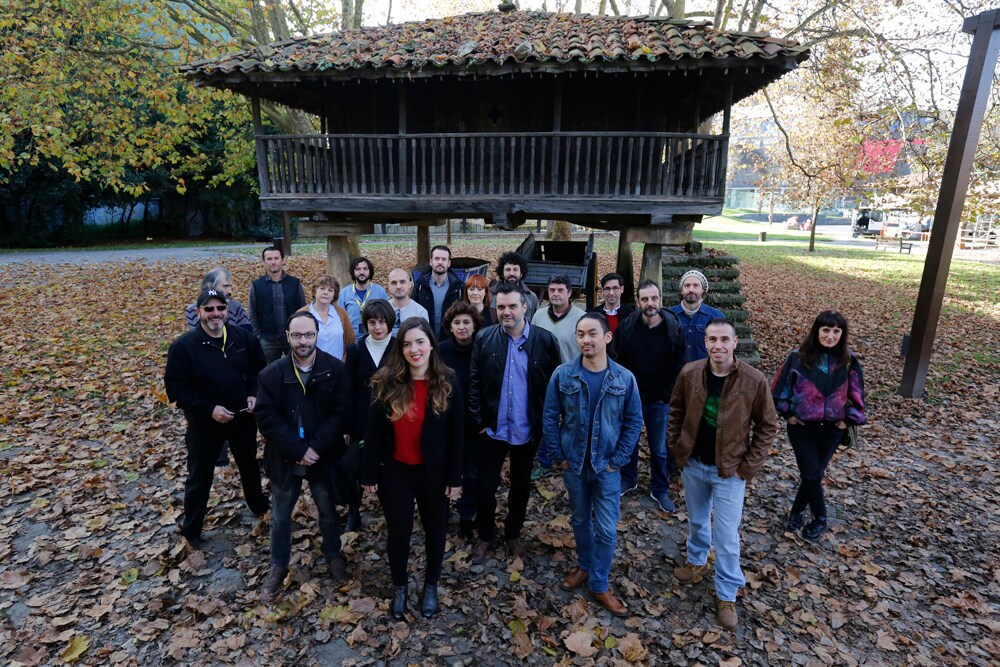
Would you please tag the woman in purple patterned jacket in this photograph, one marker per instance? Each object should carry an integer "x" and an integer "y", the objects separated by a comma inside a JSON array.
[{"x": 820, "y": 392}]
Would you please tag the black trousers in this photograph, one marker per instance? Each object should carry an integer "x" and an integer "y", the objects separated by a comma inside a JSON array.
[
  {"x": 814, "y": 444},
  {"x": 400, "y": 486},
  {"x": 522, "y": 458},
  {"x": 203, "y": 447}
]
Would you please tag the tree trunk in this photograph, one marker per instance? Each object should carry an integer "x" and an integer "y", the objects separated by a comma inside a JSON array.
[{"x": 812, "y": 228}]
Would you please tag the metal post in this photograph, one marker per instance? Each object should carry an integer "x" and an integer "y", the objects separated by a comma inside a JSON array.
[{"x": 954, "y": 184}]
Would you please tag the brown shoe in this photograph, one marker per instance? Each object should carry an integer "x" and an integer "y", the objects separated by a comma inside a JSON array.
[
  {"x": 338, "y": 571},
  {"x": 574, "y": 579},
  {"x": 516, "y": 549},
  {"x": 480, "y": 551},
  {"x": 726, "y": 615},
  {"x": 273, "y": 581},
  {"x": 610, "y": 602},
  {"x": 691, "y": 574}
]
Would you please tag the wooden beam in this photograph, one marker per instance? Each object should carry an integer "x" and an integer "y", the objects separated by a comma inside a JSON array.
[
  {"x": 423, "y": 244},
  {"x": 623, "y": 266},
  {"x": 954, "y": 186},
  {"x": 286, "y": 239},
  {"x": 310, "y": 229}
]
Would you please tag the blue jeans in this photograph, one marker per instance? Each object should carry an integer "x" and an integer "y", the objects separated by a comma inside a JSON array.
[
  {"x": 661, "y": 464},
  {"x": 705, "y": 491},
  {"x": 283, "y": 504},
  {"x": 594, "y": 507}
]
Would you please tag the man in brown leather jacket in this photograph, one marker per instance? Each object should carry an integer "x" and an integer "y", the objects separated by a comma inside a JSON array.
[{"x": 722, "y": 421}]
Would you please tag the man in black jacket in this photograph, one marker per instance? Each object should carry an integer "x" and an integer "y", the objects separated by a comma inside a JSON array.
[
  {"x": 650, "y": 343},
  {"x": 437, "y": 289},
  {"x": 510, "y": 369},
  {"x": 211, "y": 374},
  {"x": 273, "y": 297},
  {"x": 301, "y": 409}
]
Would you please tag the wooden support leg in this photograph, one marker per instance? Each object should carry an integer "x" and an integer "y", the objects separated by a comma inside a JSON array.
[
  {"x": 286, "y": 242},
  {"x": 624, "y": 267},
  {"x": 652, "y": 264},
  {"x": 338, "y": 258},
  {"x": 423, "y": 244}
]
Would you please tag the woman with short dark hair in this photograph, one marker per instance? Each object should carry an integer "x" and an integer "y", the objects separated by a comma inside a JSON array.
[
  {"x": 413, "y": 454},
  {"x": 820, "y": 392}
]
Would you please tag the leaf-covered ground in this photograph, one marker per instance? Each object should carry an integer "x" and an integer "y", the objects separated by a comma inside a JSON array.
[{"x": 92, "y": 467}]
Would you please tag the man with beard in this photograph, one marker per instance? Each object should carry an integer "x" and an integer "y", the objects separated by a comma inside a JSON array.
[
  {"x": 591, "y": 424},
  {"x": 649, "y": 343},
  {"x": 354, "y": 297},
  {"x": 302, "y": 409},
  {"x": 438, "y": 289},
  {"x": 211, "y": 374},
  {"x": 693, "y": 314},
  {"x": 512, "y": 268}
]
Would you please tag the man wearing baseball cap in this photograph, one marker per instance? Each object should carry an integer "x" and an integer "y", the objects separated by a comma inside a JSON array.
[
  {"x": 211, "y": 374},
  {"x": 693, "y": 314}
]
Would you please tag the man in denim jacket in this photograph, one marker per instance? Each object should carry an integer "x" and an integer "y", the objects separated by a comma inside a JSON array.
[{"x": 590, "y": 425}]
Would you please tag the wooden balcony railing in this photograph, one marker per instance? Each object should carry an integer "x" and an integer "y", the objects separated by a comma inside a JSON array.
[{"x": 539, "y": 164}]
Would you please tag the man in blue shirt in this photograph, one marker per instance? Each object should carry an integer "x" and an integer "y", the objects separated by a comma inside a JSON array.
[
  {"x": 693, "y": 314},
  {"x": 510, "y": 369},
  {"x": 591, "y": 424},
  {"x": 354, "y": 297}
]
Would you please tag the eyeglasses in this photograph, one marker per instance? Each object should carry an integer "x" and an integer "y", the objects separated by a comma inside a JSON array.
[
  {"x": 612, "y": 288},
  {"x": 295, "y": 335},
  {"x": 212, "y": 309}
]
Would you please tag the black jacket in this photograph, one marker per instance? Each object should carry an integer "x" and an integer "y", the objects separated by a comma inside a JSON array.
[
  {"x": 489, "y": 358},
  {"x": 262, "y": 305},
  {"x": 441, "y": 440},
  {"x": 424, "y": 295},
  {"x": 200, "y": 374},
  {"x": 360, "y": 369},
  {"x": 655, "y": 386},
  {"x": 292, "y": 420}
]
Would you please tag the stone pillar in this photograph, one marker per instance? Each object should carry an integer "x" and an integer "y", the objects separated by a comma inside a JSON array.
[
  {"x": 338, "y": 258},
  {"x": 652, "y": 264}
]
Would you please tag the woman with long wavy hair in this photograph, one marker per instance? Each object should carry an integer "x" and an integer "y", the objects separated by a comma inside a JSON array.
[
  {"x": 820, "y": 392},
  {"x": 413, "y": 454}
]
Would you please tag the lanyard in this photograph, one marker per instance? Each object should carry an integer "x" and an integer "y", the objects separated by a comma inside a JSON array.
[
  {"x": 224, "y": 336},
  {"x": 298, "y": 377},
  {"x": 368, "y": 293}
]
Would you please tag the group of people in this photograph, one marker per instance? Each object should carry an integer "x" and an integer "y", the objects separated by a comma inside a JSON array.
[{"x": 433, "y": 385}]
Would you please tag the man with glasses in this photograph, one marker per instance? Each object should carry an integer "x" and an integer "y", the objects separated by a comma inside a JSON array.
[
  {"x": 211, "y": 374},
  {"x": 400, "y": 284},
  {"x": 301, "y": 409},
  {"x": 614, "y": 311}
]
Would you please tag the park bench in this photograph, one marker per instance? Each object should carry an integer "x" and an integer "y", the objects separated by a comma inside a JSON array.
[{"x": 884, "y": 243}]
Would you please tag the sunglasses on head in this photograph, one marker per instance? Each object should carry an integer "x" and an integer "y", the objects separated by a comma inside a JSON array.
[{"x": 212, "y": 309}]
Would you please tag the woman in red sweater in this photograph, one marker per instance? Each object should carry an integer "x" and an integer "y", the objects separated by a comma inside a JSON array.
[{"x": 413, "y": 454}]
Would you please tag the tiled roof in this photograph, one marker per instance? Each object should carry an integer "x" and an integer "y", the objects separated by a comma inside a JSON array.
[{"x": 516, "y": 39}]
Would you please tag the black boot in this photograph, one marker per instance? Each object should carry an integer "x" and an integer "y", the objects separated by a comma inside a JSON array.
[
  {"x": 429, "y": 603},
  {"x": 399, "y": 603},
  {"x": 815, "y": 528},
  {"x": 795, "y": 521}
]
